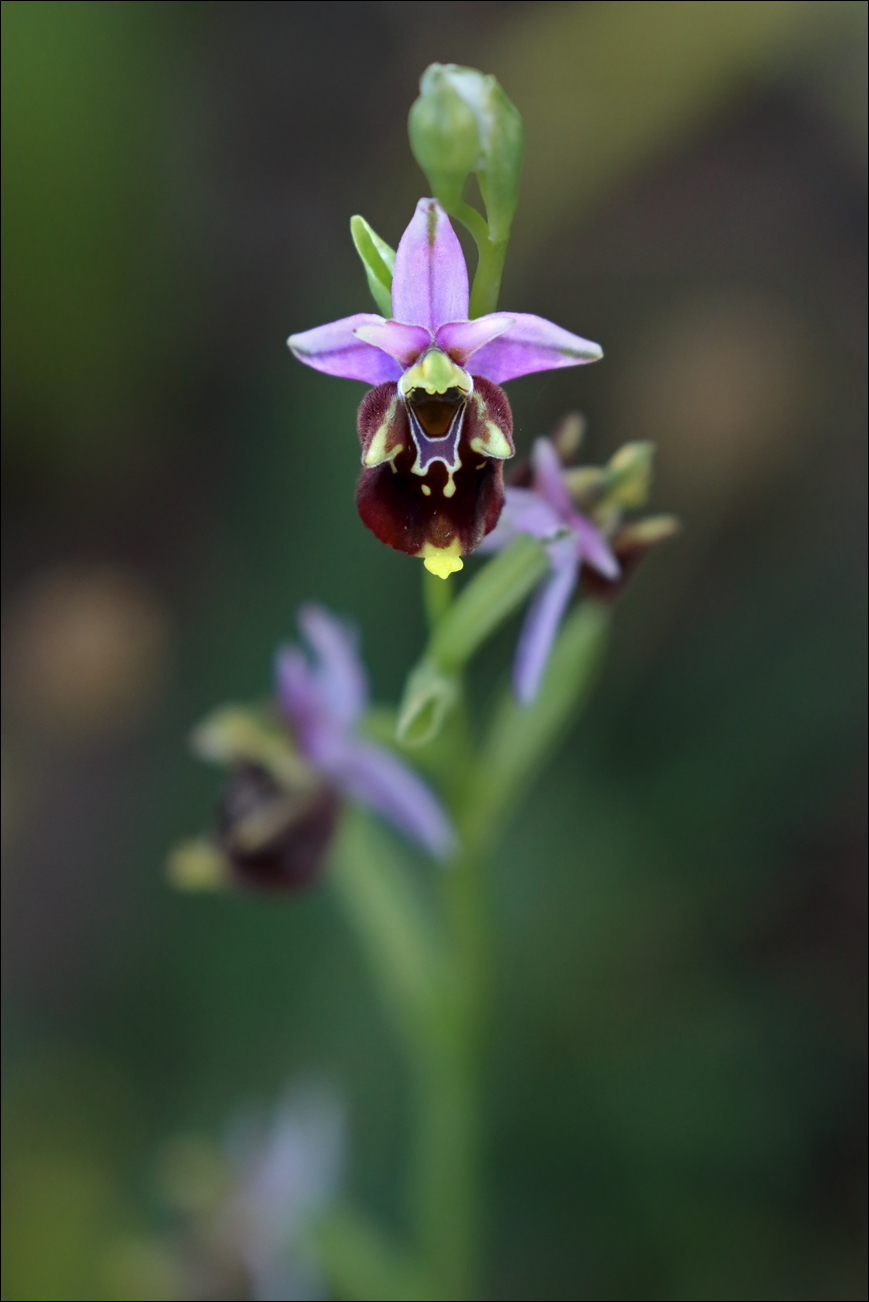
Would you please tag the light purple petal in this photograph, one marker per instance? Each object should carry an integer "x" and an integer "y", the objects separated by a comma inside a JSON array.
[
  {"x": 541, "y": 625},
  {"x": 298, "y": 696},
  {"x": 462, "y": 338},
  {"x": 341, "y": 682},
  {"x": 532, "y": 344},
  {"x": 376, "y": 778},
  {"x": 430, "y": 281},
  {"x": 336, "y": 349},
  {"x": 595, "y": 549},
  {"x": 524, "y": 511},
  {"x": 499, "y": 538},
  {"x": 323, "y": 699},
  {"x": 549, "y": 480},
  {"x": 403, "y": 342}
]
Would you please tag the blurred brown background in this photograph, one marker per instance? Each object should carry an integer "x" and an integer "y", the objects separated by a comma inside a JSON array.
[{"x": 679, "y": 1067}]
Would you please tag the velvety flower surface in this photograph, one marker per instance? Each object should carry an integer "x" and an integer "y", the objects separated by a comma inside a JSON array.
[
  {"x": 546, "y": 512},
  {"x": 436, "y": 427}
]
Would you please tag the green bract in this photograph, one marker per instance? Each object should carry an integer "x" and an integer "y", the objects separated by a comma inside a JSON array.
[{"x": 378, "y": 259}]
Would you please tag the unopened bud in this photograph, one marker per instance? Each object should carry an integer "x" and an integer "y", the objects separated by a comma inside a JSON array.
[
  {"x": 629, "y": 475},
  {"x": 461, "y": 123},
  {"x": 444, "y": 135}
]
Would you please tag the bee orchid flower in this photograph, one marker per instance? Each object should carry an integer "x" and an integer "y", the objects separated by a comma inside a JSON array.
[
  {"x": 436, "y": 427},
  {"x": 546, "y": 512},
  {"x": 292, "y": 767}
]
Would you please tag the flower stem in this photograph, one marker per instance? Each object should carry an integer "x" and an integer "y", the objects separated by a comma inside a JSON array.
[
  {"x": 447, "y": 1182},
  {"x": 490, "y": 266}
]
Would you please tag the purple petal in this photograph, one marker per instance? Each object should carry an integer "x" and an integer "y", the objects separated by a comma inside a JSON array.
[
  {"x": 532, "y": 344},
  {"x": 323, "y": 699},
  {"x": 341, "y": 682},
  {"x": 430, "y": 281},
  {"x": 336, "y": 349},
  {"x": 524, "y": 511},
  {"x": 541, "y": 624},
  {"x": 595, "y": 549},
  {"x": 298, "y": 697},
  {"x": 380, "y": 780},
  {"x": 462, "y": 338},
  {"x": 549, "y": 480},
  {"x": 403, "y": 342}
]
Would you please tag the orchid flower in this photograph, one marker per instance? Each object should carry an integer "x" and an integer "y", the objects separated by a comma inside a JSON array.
[
  {"x": 436, "y": 427},
  {"x": 324, "y": 700},
  {"x": 546, "y": 512},
  {"x": 290, "y": 776},
  {"x": 286, "y": 1171}
]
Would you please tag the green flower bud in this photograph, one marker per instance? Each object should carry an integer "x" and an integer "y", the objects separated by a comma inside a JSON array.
[
  {"x": 629, "y": 475},
  {"x": 624, "y": 484},
  {"x": 444, "y": 135},
  {"x": 461, "y": 123}
]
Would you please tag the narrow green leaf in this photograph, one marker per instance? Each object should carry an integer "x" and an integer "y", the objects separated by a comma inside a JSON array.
[
  {"x": 378, "y": 259},
  {"x": 521, "y": 737}
]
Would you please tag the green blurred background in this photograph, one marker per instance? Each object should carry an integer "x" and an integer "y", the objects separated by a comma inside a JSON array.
[{"x": 678, "y": 1067}]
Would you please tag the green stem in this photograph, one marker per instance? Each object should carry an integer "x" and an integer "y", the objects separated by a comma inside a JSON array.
[
  {"x": 490, "y": 266},
  {"x": 437, "y": 595},
  {"x": 446, "y": 1188}
]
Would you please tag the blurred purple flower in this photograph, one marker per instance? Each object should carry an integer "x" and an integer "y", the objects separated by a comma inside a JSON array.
[
  {"x": 324, "y": 698},
  {"x": 546, "y": 512},
  {"x": 436, "y": 427},
  {"x": 286, "y": 1172}
]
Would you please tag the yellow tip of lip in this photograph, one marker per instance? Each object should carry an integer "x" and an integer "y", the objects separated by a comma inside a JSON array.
[{"x": 442, "y": 561}]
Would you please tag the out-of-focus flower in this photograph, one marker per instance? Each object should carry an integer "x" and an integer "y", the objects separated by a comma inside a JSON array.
[
  {"x": 436, "y": 427},
  {"x": 286, "y": 1172},
  {"x": 292, "y": 766},
  {"x": 546, "y": 512},
  {"x": 246, "y": 1207},
  {"x": 578, "y": 515}
]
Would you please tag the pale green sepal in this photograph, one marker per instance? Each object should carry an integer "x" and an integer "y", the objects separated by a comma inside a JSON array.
[
  {"x": 233, "y": 735},
  {"x": 378, "y": 259},
  {"x": 484, "y": 603},
  {"x": 377, "y": 892},
  {"x": 429, "y": 695},
  {"x": 361, "y": 1261},
  {"x": 520, "y": 737}
]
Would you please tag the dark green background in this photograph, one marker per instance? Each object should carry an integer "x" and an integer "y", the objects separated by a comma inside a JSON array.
[{"x": 678, "y": 1066}]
